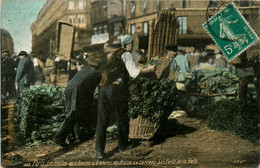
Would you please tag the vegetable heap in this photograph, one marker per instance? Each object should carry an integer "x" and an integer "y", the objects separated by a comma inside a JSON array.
[
  {"x": 236, "y": 116},
  {"x": 38, "y": 113},
  {"x": 151, "y": 99}
]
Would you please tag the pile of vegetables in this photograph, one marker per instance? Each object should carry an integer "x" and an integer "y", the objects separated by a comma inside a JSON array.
[
  {"x": 38, "y": 113},
  {"x": 219, "y": 80},
  {"x": 151, "y": 99},
  {"x": 235, "y": 116}
]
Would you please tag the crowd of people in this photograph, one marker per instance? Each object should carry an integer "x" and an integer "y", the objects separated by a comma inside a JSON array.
[
  {"x": 112, "y": 84},
  {"x": 112, "y": 98},
  {"x": 19, "y": 72}
]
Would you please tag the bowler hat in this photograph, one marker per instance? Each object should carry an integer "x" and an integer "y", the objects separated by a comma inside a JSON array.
[
  {"x": 172, "y": 47},
  {"x": 22, "y": 53}
]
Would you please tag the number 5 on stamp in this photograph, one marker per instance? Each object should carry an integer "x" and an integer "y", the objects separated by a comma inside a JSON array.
[{"x": 230, "y": 31}]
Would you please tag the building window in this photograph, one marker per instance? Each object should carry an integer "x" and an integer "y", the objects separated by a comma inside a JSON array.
[
  {"x": 100, "y": 30},
  {"x": 184, "y": 4},
  {"x": 71, "y": 5},
  {"x": 95, "y": 30},
  {"x": 132, "y": 29},
  {"x": 81, "y": 19},
  {"x": 183, "y": 25},
  {"x": 213, "y": 3},
  {"x": 244, "y": 3},
  {"x": 145, "y": 28},
  {"x": 158, "y": 5},
  {"x": 82, "y": 4},
  {"x": 144, "y": 6},
  {"x": 117, "y": 29},
  {"x": 105, "y": 29},
  {"x": 132, "y": 9},
  {"x": 72, "y": 19},
  {"x": 105, "y": 11}
]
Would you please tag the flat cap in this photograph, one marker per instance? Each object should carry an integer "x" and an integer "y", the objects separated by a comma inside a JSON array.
[{"x": 126, "y": 39}]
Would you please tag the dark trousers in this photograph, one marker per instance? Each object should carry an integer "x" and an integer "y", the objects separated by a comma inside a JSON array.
[
  {"x": 78, "y": 117},
  {"x": 21, "y": 87},
  {"x": 67, "y": 126},
  {"x": 8, "y": 86},
  {"x": 112, "y": 102}
]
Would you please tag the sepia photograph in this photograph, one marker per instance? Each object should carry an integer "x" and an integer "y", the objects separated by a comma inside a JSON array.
[{"x": 130, "y": 83}]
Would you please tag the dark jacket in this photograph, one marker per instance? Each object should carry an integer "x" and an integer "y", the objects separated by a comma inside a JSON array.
[
  {"x": 80, "y": 88},
  {"x": 7, "y": 67},
  {"x": 25, "y": 72},
  {"x": 115, "y": 69}
]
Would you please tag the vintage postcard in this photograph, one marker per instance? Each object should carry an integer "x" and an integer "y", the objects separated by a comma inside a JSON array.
[{"x": 130, "y": 83}]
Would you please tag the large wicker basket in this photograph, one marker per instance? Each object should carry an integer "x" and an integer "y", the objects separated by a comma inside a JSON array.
[{"x": 141, "y": 128}]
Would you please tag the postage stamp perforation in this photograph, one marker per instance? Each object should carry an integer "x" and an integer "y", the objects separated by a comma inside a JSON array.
[{"x": 223, "y": 50}]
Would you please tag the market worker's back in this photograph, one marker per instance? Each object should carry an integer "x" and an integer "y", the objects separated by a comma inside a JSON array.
[{"x": 86, "y": 75}]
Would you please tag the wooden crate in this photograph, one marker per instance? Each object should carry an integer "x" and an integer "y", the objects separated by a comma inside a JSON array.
[{"x": 141, "y": 128}]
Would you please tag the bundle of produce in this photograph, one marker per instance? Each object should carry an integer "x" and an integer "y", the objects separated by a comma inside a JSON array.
[
  {"x": 38, "y": 113},
  {"x": 220, "y": 81},
  {"x": 151, "y": 99},
  {"x": 150, "y": 104},
  {"x": 235, "y": 116},
  {"x": 221, "y": 78}
]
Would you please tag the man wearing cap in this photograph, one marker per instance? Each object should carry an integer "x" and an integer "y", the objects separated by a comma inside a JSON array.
[
  {"x": 7, "y": 75},
  {"x": 164, "y": 69},
  {"x": 113, "y": 95},
  {"x": 25, "y": 75}
]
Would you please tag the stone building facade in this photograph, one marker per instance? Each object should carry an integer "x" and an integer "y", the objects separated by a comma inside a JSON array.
[
  {"x": 191, "y": 15},
  {"x": 7, "y": 41},
  {"x": 44, "y": 28},
  {"x": 101, "y": 21},
  {"x": 108, "y": 22}
]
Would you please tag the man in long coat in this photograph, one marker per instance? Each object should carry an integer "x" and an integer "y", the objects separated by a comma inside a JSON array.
[
  {"x": 7, "y": 75},
  {"x": 25, "y": 75},
  {"x": 79, "y": 94}
]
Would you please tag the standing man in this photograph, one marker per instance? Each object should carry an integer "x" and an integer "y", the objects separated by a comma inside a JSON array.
[
  {"x": 170, "y": 55},
  {"x": 38, "y": 70},
  {"x": 180, "y": 62},
  {"x": 25, "y": 75},
  {"x": 7, "y": 74},
  {"x": 79, "y": 94},
  {"x": 113, "y": 95}
]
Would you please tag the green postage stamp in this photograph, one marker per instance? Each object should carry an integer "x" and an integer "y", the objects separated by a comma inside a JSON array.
[{"x": 230, "y": 31}]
